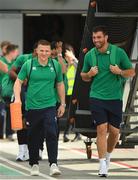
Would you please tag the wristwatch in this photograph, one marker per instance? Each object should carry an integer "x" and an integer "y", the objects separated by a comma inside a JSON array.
[{"x": 63, "y": 104}]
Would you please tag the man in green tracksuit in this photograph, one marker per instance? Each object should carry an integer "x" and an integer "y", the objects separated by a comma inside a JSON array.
[
  {"x": 106, "y": 91},
  {"x": 41, "y": 102}
]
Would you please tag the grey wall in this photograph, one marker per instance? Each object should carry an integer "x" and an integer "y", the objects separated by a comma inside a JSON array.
[
  {"x": 47, "y": 5},
  {"x": 11, "y": 28}
]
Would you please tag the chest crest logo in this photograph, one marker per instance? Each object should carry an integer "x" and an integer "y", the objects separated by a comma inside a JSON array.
[
  {"x": 34, "y": 68},
  {"x": 51, "y": 69}
]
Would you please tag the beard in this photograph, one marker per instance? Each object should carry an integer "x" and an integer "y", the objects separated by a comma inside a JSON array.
[{"x": 99, "y": 45}]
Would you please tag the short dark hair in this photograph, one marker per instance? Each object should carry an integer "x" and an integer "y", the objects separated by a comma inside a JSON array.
[
  {"x": 35, "y": 45},
  {"x": 53, "y": 45},
  {"x": 4, "y": 43},
  {"x": 101, "y": 28},
  {"x": 43, "y": 42},
  {"x": 67, "y": 46},
  {"x": 11, "y": 47}
]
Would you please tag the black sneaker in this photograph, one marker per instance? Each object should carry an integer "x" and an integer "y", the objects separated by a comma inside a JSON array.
[
  {"x": 10, "y": 138},
  {"x": 1, "y": 137},
  {"x": 76, "y": 138},
  {"x": 65, "y": 139}
]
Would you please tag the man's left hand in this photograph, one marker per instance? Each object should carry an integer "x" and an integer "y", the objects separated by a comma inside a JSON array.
[
  {"x": 115, "y": 69},
  {"x": 61, "y": 111}
]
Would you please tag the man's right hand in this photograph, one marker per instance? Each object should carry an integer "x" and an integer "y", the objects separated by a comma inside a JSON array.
[
  {"x": 17, "y": 101},
  {"x": 93, "y": 71}
]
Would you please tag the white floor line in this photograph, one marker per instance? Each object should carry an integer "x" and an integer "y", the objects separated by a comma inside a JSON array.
[{"x": 25, "y": 168}]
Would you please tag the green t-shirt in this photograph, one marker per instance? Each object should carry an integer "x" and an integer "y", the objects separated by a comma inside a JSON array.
[
  {"x": 106, "y": 85},
  {"x": 5, "y": 82},
  {"x": 41, "y": 91},
  {"x": 2, "y": 74},
  {"x": 7, "y": 86},
  {"x": 21, "y": 59}
]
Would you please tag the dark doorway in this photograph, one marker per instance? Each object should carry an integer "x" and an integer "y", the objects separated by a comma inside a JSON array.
[{"x": 67, "y": 28}]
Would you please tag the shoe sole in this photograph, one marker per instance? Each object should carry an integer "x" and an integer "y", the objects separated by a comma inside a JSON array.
[
  {"x": 19, "y": 160},
  {"x": 55, "y": 174},
  {"x": 22, "y": 160},
  {"x": 34, "y": 174},
  {"x": 66, "y": 141},
  {"x": 102, "y": 175}
]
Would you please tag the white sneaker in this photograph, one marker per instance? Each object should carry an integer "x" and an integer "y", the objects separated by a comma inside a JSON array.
[
  {"x": 108, "y": 157},
  {"x": 20, "y": 156},
  {"x": 23, "y": 153},
  {"x": 103, "y": 169},
  {"x": 54, "y": 170},
  {"x": 26, "y": 156},
  {"x": 107, "y": 163},
  {"x": 26, "y": 153},
  {"x": 35, "y": 170}
]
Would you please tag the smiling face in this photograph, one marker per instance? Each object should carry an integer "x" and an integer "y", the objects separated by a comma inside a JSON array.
[
  {"x": 99, "y": 39},
  {"x": 43, "y": 52}
]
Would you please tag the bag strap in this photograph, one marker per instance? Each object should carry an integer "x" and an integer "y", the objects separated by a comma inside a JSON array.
[
  {"x": 55, "y": 72},
  {"x": 28, "y": 79},
  {"x": 113, "y": 55},
  {"x": 94, "y": 58},
  {"x": 113, "y": 62},
  {"x": 31, "y": 66}
]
